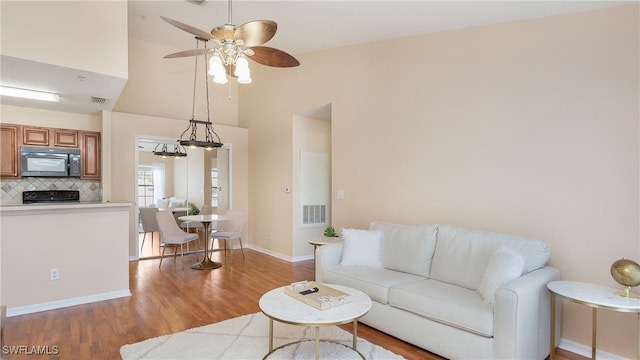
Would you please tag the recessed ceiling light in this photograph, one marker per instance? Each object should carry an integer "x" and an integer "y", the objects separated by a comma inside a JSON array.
[{"x": 29, "y": 94}]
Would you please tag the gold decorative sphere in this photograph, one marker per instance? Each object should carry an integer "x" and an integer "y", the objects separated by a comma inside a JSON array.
[{"x": 626, "y": 272}]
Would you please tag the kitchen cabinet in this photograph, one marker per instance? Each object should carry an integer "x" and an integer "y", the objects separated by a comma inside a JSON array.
[
  {"x": 9, "y": 151},
  {"x": 35, "y": 136},
  {"x": 90, "y": 155},
  {"x": 65, "y": 138}
]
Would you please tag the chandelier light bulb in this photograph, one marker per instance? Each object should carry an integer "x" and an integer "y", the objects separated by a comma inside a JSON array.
[
  {"x": 245, "y": 78},
  {"x": 242, "y": 66},
  {"x": 216, "y": 69},
  {"x": 215, "y": 66},
  {"x": 220, "y": 78}
]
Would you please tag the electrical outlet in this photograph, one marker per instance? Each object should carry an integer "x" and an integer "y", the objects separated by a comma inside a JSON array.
[{"x": 55, "y": 274}]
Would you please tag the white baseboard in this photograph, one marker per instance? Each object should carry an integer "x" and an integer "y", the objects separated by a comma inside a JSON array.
[
  {"x": 281, "y": 256},
  {"x": 585, "y": 350},
  {"x": 271, "y": 253},
  {"x": 22, "y": 310}
]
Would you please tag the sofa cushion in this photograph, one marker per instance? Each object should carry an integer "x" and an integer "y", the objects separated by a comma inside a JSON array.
[
  {"x": 461, "y": 255},
  {"x": 445, "y": 303},
  {"x": 362, "y": 248},
  {"x": 373, "y": 282},
  {"x": 163, "y": 203},
  {"x": 407, "y": 248},
  {"x": 504, "y": 266}
]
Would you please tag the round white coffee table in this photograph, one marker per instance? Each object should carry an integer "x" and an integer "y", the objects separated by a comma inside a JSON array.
[{"x": 279, "y": 306}]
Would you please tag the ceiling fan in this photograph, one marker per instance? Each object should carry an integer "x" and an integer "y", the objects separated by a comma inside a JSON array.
[{"x": 234, "y": 45}]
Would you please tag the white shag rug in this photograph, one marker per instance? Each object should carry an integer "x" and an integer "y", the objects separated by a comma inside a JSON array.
[{"x": 247, "y": 338}]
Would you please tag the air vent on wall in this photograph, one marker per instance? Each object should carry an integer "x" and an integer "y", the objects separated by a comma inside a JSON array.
[
  {"x": 98, "y": 100},
  {"x": 314, "y": 214}
]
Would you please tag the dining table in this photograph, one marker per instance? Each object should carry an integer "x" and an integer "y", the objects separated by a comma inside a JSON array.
[{"x": 206, "y": 221}]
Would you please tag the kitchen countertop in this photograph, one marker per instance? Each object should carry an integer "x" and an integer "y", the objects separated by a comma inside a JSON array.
[{"x": 18, "y": 209}]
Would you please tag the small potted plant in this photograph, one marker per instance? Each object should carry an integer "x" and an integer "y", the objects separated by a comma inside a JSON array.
[
  {"x": 330, "y": 232},
  {"x": 194, "y": 210}
]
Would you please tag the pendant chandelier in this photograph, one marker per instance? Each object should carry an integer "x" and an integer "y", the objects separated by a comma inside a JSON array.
[
  {"x": 211, "y": 139},
  {"x": 178, "y": 150}
]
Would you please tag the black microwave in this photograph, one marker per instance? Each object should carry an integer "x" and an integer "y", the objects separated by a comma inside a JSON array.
[{"x": 49, "y": 162}]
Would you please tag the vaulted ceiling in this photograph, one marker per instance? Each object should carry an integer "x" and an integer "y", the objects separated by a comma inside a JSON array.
[{"x": 303, "y": 27}]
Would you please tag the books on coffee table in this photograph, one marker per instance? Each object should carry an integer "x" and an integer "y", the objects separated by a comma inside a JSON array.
[{"x": 320, "y": 296}]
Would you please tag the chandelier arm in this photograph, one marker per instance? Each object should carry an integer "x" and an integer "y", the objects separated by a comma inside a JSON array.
[
  {"x": 185, "y": 131},
  {"x": 194, "y": 131}
]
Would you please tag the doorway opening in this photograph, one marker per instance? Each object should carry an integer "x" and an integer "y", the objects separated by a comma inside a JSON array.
[
  {"x": 180, "y": 185},
  {"x": 311, "y": 178}
]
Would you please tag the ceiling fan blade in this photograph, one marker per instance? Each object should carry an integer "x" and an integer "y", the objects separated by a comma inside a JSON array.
[
  {"x": 257, "y": 32},
  {"x": 186, "y": 53},
  {"x": 273, "y": 57},
  {"x": 200, "y": 34}
]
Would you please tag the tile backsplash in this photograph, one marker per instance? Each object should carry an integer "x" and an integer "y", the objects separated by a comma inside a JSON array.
[{"x": 11, "y": 189}]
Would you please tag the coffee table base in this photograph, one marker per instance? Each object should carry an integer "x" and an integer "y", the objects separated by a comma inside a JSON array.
[
  {"x": 358, "y": 353},
  {"x": 354, "y": 345}
]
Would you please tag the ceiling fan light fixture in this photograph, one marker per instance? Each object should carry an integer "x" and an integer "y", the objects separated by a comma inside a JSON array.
[
  {"x": 242, "y": 70},
  {"x": 244, "y": 79},
  {"x": 216, "y": 69},
  {"x": 220, "y": 79},
  {"x": 234, "y": 45}
]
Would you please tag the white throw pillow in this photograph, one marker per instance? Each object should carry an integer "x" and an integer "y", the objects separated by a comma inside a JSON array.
[
  {"x": 362, "y": 248},
  {"x": 504, "y": 265}
]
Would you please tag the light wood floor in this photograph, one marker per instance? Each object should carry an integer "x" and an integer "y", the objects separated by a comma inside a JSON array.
[{"x": 168, "y": 300}]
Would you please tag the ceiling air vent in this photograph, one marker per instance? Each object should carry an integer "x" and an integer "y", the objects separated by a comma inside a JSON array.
[{"x": 98, "y": 100}]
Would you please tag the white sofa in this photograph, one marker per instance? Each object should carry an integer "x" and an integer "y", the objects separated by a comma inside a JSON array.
[{"x": 431, "y": 288}]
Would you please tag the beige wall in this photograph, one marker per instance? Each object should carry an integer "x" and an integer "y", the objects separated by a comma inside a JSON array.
[
  {"x": 55, "y": 32},
  {"x": 529, "y": 128},
  {"x": 45, "y": 118}
]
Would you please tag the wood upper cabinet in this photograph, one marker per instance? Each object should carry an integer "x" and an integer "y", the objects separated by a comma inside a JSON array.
[
  {"x": 65, "y": 138},
  {"x": 9, "y": 151},
  {"x": 35, "y": 136},
  {"x": 90, "y": 154}
]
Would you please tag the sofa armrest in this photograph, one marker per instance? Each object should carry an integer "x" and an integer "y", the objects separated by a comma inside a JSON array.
[
  {"x": 522, "y": 316},
  {"x": 327, "y": 255}
]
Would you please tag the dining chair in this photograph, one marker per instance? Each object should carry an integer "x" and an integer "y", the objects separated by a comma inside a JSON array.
[
  {"x": 149, "y": 223},
  {"x": 231, "y": 229},
  {"x": 173, "y": 236}
]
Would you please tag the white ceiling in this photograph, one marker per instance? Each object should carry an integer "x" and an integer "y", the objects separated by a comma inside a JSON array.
[{"x": 303, "y": 27}]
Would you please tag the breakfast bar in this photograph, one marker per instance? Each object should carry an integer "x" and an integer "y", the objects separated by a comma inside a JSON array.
[{"x": 55, "y": 255}]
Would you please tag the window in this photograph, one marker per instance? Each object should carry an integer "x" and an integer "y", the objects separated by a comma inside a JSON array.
[
  {"x": 145, "y": 186},
  {"x": 150, "y": 183},
  {"x": 214, "y": 188}
]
